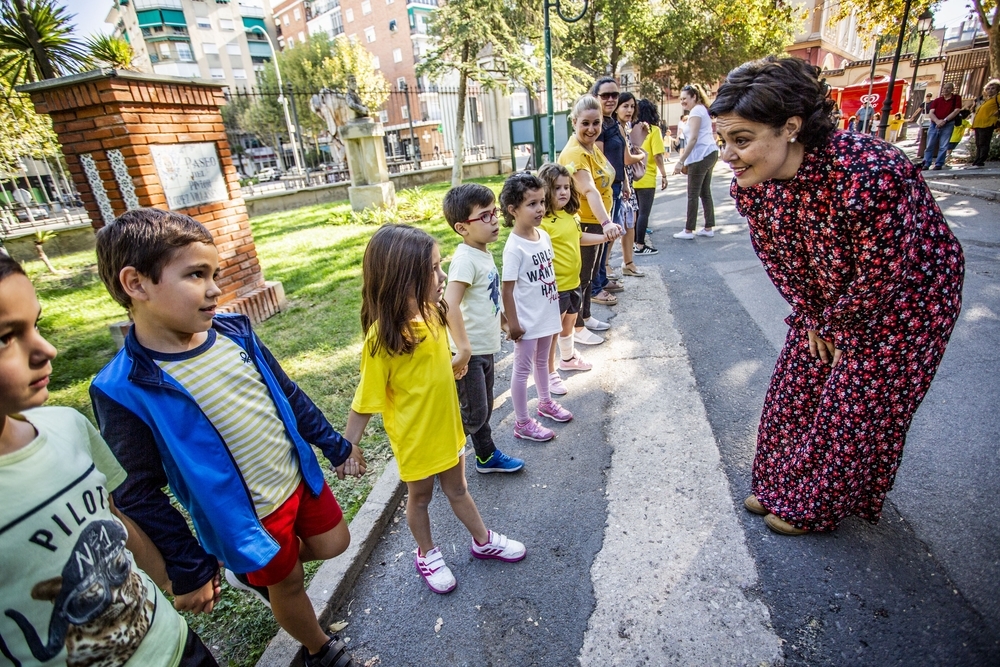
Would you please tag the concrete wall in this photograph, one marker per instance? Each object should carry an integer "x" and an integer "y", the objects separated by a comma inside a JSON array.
[
  {"x": 65, "y": 242},
  {"x": 272, "y": 202}
]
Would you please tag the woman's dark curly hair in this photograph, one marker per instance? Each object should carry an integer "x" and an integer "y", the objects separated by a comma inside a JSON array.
[
  {"x": 772, "y": 90},
  {"x": 646, "y": 112}
]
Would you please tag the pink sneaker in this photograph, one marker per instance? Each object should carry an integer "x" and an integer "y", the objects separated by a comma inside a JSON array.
[
  {"x": 532, "y": 430},
  {"x": 554, "y": 411},
  {"x": 575, "y": 364},
  {"x": 556, "y": 386}
]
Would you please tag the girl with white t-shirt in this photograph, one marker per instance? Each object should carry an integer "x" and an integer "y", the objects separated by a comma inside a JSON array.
[
  {"x": 530, "y": 302},
  {"x": 697, "y": 161}
]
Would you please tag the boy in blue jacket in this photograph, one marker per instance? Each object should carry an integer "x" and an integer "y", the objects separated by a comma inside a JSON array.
[{"x": 196, "y": 401}]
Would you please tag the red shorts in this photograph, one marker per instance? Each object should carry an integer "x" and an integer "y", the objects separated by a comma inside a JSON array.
[{"x": 302, "y": 515}]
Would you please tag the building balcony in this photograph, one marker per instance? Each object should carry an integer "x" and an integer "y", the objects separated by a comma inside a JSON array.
[
  {"x": 157, "y": 4},
  {"x": 425, "y": 3},
  {"x": 251, "y": 11},
  {"x": 323, "y": 6}
]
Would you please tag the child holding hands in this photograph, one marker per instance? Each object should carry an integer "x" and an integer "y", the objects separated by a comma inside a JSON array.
[
  {"x": 407, "y": 374},
  {"x": 562, "y": 201},
  {"x": 530, "y": 302}
]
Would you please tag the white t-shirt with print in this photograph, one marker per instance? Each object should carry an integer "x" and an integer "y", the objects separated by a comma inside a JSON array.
[
  {"x": 69, "y": 590},
  {"x": 536, "y": 296},
  {"x": 481, "y": 303}
]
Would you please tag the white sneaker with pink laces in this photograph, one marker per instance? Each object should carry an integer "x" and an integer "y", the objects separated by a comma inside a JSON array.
[
  {"x": 576, "y": 363},
  {"x": 435, "y": 573},
  {"x": 498, "y": 547}
]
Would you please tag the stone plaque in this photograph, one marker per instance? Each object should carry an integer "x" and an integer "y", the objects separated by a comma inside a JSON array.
[{"x": 190, "y": 174}]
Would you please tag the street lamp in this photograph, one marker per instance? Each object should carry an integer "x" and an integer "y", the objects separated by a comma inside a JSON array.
[
  {"x": 283, "y": 101},
  {"x": 924, "y": 25},
  {"x": 887, "y": 105},
  {"x": 549, "y": 114}
]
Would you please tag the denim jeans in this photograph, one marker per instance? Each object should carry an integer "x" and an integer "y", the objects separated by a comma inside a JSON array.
[
  {"x": 601, "y": 278},
  {"x": 937, "y": 144},
  {"x": 475, "y": 398}
]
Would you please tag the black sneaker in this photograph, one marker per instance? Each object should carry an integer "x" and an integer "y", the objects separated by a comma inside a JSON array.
[
  {"x": 240, "y": 581},
  {"x": 646, "y": 250},
  {"x": 333, "y": 654}
]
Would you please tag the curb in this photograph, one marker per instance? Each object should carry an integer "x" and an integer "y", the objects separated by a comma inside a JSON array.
[
  {"x": 951, "y": 188},
  {"x": 335, "y": 578}
]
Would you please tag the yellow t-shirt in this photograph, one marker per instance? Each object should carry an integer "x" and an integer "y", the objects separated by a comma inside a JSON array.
[
  {"x": 575, "y": 157},
  {"x": 986, "y": 114},
  {"x": 417, "y": 397},
  {"x": 653, "y": 145},
  {"x": 564, "y": 230}
]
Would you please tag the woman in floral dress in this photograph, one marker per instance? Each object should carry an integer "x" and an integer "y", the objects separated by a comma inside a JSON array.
[{"x": 850, "y": 235}]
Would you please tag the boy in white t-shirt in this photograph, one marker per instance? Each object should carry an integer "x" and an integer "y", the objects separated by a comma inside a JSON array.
[
  {"x": 473, "y": 297},
  {"x": 70, "y": 591}
]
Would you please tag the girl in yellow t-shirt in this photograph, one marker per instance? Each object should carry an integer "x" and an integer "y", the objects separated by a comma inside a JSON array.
[
  {"x": 562, "y": 201},
  {"x": 408, "y": 374}
]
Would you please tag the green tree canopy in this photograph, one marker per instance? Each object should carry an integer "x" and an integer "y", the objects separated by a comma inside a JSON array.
[{"x": 700, "y": 41}]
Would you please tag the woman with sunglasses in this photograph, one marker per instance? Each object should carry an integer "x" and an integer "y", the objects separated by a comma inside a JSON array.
[
  {"x": 699, "y": 157},
  {"x": 592, "y": 177},
  {"x": 611, "y": 143}
]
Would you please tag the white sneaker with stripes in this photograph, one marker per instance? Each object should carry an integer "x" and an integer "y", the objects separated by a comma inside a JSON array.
[
  {"x": 500, "y": 548},
  {"x": 437, "y": 575}
]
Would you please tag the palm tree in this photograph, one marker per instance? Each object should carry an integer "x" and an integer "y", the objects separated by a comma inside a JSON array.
[
  {"x": 110, "y": 51},
  {"x": 36, "y": 41},
  {"x": 41, "y": 236}
]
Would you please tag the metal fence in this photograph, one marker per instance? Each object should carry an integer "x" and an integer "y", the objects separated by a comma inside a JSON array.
[{"x": 419, "y": 132}]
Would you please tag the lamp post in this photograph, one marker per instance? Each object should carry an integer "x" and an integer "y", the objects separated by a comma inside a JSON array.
[
  {"x": 549, "y": 114},
  {"x": 283, "y": 101},
  {"x": 887, "y": 105},
  {"x": 925, "y": 22}
]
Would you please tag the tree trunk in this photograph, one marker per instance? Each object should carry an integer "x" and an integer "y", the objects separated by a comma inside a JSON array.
[
  {"x": 993, "y": 32},
  {"x": 41, "y": 58},
  {"x": 463, "y": 83},
  {"x": 40, "y": 249}
]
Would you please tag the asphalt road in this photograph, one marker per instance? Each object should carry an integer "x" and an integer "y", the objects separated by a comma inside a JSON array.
[{"x": 639, "y": 551}]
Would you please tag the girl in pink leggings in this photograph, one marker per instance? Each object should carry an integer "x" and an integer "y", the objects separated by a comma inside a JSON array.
[{"x": 530, "y": 302}]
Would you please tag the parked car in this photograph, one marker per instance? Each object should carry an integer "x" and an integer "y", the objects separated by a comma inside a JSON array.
[
  {"x": 37, "y": 212},
  {"x": 268, "y": 174}
]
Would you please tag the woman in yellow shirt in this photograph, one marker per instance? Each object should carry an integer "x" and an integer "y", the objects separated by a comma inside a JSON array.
[
  {"x": 986, "y": 119},
  {"x": 592, "y": 176}
]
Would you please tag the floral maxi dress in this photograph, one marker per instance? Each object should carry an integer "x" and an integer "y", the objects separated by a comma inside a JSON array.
[{"x": 860, "y": 250}]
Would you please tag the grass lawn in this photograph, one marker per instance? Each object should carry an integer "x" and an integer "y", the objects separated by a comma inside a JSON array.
[{"x": 316, "y": 253}]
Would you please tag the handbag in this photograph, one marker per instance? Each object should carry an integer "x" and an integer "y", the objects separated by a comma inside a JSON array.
[{"x": 639, "y": 168}]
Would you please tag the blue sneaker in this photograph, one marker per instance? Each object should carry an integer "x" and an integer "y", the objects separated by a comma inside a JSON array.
[{"x": 499, "y": 462}]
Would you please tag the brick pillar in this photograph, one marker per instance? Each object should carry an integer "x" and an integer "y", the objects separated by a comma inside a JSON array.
[{"x": 141, "y": 140}]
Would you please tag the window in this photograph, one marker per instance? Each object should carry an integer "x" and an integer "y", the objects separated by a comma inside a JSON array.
[
  {"x": 226, "y": 24},
  {"x": 302, "y": 36},
  {"x": 376, "y": 63},
  {"x": 370, "y": 34},
  {"x": 348, "y": 15},
  {"x": 209, "y": 47},
  {"x": 291, "y": 42},
  {"x": 239, "y": 74},
  {"x": 204, "y": 23},
  {"x": 165, "y": 50},
  {"x": 297, "y": 14},
  {"x": 404, "y": 111},
  {"x": 287, "y": 20},
  {"x": 383, "y": 116},
  {"x": 184, "y": 52},
  {"x": 397, "y": 55},
  {"x": 217, "y": 73},
  {"x": 233, "y": 49},
  {"x": 366, "y": 7},
  {"x": 388, "y": 2},
  {"x": 401, "y": 83}
]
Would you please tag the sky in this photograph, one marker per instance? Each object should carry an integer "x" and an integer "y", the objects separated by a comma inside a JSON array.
[{"x": 90, "y": 14}]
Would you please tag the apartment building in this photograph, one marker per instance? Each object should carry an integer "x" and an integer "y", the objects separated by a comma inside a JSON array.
[
  {"x": 826, "y": 45},
  {"x": 290, "y": 17},
  {"x": 207, "y": 39}
]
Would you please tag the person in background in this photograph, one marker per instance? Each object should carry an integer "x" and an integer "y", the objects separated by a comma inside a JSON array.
[
  {"x": 943, "y": 111},
  {"x": 699, "y": 158},
  {"x": 895, "y": 125},
  {"x": 645, "y": 187},
  {"x": 962, "y": 124},
  {"x": 851, "y": 237},
  {"x": 987, "y": 118}
]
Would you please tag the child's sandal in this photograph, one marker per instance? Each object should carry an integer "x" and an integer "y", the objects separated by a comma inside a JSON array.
[{"x": 333, "y": 654}]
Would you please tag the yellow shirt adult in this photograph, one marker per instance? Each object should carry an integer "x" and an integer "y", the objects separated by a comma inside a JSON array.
[
  {"x": 653, "y": 146},
  {"x": 564, "y": 230},
  {"x": 986, "y": 114},
  {"x": 576, "y": 157},
  {"x": 417, "y": 398}
]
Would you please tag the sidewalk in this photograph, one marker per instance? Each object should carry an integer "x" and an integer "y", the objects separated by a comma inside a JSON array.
[{"x": 983, "y": 182}]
